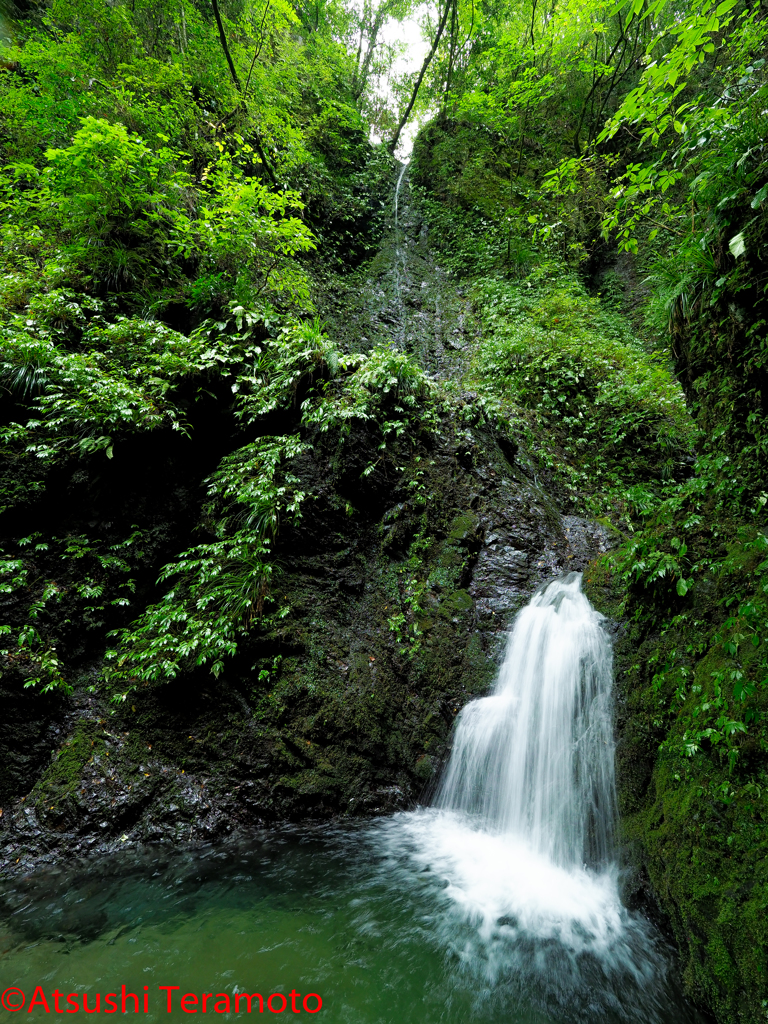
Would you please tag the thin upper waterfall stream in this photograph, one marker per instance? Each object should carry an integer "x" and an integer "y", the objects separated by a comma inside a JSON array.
[
  {"x": 499, "y": 903},
  {"x": 400, "y": 177},
  {"x": 400, "y": 261}
]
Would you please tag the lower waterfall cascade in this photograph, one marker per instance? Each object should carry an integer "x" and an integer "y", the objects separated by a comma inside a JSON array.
[
  {"x": 521, "y": 829},
  {"x": 535, "y": 758}
]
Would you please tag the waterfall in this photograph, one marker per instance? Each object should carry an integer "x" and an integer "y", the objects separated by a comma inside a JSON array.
[
  {"x": 535, "y": 758},
  {"x": 519, "y": 839},
  {"x": 403, "y": 169},
  {"x": 400, "y": 260}
]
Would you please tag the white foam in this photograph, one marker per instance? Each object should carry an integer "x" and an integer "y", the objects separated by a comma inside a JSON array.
[
  {"x": 518, "y": 849},
  {"x": 508, "y": 911},
  {"x": 500, "y": 877}
]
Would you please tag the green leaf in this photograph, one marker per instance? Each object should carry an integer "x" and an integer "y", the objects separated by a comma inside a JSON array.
[
  {"x": 737, "y": 245},
  {"x": 682, "y": 587}
]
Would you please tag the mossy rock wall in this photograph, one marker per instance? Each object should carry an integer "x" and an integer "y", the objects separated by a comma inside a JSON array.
[
  {"x": 400, "y": 599},
  {"x": 694, "y": 843}
]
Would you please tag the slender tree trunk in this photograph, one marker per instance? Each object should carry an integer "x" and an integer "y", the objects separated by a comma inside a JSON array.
[
  {"x": 616, "y": 78},
  {"x": 417, "y": 85},
  {"x": 533, "y": 22},
  {"x": 522, "y": 140},
  {"x": 356, "y": 76},
  {"x": 257, "y": 51},
  {"x": 263, "y": 157},
  {"x": 225, "y": 48},
  {"x": 364, "y": 69},
  {"x": 236, "y": 80},
  {"x": 596, "y": 80},
  {"x": 451, "y": 54}
]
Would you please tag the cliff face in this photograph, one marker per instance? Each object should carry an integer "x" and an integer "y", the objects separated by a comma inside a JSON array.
[
  {"x": 685, "y": 587},
  {"x": 398, "y": 612},
  {"x": 692, "y": 833},
  {"x": 690, "y": 591},
  {"x": 399, "y": 583}
]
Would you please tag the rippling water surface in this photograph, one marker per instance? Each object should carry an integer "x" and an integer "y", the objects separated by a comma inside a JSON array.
[{"x": 418, "y": 918}]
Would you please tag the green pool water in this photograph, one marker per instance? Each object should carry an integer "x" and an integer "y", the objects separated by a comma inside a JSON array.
[{"x": 417, "y": 918}]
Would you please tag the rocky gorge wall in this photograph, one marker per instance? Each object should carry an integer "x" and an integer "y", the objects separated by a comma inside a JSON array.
[{"x": 400, "y": 583}]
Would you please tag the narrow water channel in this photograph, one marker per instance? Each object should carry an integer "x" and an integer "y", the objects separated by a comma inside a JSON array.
[{"x": 499, "y": 903}]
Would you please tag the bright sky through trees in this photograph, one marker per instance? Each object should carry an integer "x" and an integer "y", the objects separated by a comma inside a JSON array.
[{"x": 410, "y": 35}]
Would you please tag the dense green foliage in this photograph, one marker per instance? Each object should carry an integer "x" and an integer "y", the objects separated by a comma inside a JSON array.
[
  {"x": 178, "y": 186},
  {"x": 163, "y": 176},
  {"x": 222, "y": 586},
  {"x": 616, "y": 417}
]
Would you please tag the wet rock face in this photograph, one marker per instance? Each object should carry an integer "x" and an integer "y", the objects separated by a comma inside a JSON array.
[
  {"x": 29, "y": 726},
  {"x": 526, "y": 543},
  {"x": 399, "y": 614},
  {"x": 401, "y": 583},
  {"x": 402, "y": 297}
]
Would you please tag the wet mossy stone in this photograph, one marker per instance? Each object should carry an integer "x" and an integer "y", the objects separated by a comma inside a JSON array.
[
  {"x": 463, "y": 528},
  {"x": 424, "y": 768},
  {"x": 457, "y": 603}
]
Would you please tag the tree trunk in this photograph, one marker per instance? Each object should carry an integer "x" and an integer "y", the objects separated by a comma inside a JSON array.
[
  {"x": 236, "y": 80},
  {"x": 363, "y": 70},
  {"x": 451, "y": 53},
  {"x": 224, "y": 46},
  {"x": 417, "y": 86}
]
